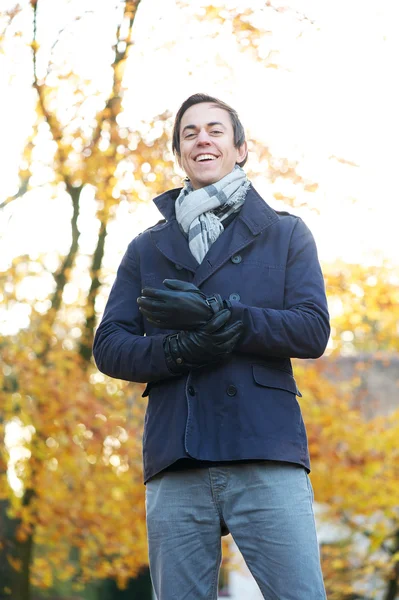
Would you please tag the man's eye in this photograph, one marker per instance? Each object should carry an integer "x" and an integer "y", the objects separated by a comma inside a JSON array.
[
  {"x": 216, "y": 131},
  {"x": 189, "y": 135}
]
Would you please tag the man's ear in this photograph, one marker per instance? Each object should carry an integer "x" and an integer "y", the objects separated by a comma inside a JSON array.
[
  {"x": 178, "y": 158},
  {"x": 242, "y": 152}
]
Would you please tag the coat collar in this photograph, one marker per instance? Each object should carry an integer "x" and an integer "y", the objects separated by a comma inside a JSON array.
[
  {"x": 165, "y": 203},
  {"x": 255, "y": 216},
  {"x": 255, "y": 212}
]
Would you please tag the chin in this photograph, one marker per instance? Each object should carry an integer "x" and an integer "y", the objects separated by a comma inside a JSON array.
[{"x": 209, "y": 180}]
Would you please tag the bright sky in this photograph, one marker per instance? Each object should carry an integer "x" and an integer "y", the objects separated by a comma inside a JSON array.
[{"x": 334, "y": 96}]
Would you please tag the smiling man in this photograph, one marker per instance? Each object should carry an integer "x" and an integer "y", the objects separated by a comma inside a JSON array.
[{"x": 208, "y": 308}]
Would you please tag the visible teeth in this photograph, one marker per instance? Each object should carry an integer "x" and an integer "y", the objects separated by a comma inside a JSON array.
[{"x": 205, "y": 157}]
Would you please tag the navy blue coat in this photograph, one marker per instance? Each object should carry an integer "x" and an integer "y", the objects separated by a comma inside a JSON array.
[{"x": 246, "y": 407}]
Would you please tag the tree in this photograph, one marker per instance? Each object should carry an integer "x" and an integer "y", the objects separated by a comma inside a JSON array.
[{"x": 79, "y": 441}]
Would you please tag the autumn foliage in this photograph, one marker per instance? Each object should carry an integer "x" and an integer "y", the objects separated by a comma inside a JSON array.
[{"x": 354, "y": 450}]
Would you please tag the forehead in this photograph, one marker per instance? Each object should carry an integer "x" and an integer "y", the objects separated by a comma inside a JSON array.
[{"x": 203, "y": 113}]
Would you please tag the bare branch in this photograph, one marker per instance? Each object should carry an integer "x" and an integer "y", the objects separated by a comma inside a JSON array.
[
  {"x": 61, "y": 276},
  {"x": 34, "y": 4},
  {"x": 23, "y": 188},
  {"x": 85, "y": 349},
  {"x": 129, "y": 13},
  {"x": 282, "y": 9},
  {"x": 63, "y": 30},
  {"x": 50, "y": 118}
]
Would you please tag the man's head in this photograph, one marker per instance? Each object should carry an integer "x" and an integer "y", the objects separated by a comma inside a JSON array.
[{"x": 208, "y": 139}]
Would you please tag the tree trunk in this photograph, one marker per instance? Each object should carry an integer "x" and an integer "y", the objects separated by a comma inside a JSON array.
[
  {"x": 139, "y": 588},
  {"x": 5, "y": 567},
  {"x": 14, "y": 584},
  {"x": 393, "y": 586},
  {"x": 20, "y": 585}
]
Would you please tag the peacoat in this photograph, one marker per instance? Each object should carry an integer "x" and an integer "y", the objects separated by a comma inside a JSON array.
[{"x": 245, "y": 407}]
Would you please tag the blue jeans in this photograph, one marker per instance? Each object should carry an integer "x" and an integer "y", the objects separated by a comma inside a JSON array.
[{"x": 266, "y": 506}]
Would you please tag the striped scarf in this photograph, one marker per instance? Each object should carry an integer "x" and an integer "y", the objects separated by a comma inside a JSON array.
[{"x": 200, "y": 213}]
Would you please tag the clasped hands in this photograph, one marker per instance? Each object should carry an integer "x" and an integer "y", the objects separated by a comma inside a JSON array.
[{"x": 201, "y": 321}]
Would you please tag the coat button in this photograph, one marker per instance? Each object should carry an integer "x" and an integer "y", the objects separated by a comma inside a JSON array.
[
  {"x": 231, "y": 390},
  {"x": 236, "y": 297},
  {"x": 178, "y": 267},
  {"x": 236, "y": 259},
  {"x": 191, "y": 390}
]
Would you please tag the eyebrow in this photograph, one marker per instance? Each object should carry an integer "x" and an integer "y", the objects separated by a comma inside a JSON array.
[{"x": 211, "y": 124}]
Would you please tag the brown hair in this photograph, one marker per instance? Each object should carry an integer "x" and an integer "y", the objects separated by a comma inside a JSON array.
[{"x": 238, "y": 129}]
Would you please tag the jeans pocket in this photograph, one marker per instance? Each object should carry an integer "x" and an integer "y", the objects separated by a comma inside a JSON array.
[{"x": 310, "y": 487}]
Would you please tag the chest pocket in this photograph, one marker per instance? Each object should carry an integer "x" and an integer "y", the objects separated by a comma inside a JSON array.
[{"x": 257, "y": 284}]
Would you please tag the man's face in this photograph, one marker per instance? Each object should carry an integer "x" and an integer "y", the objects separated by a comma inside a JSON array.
[{"x": 207, "y": 151}]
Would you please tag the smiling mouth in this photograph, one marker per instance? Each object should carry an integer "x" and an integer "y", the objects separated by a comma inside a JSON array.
[{"x": 203, "y": 158}]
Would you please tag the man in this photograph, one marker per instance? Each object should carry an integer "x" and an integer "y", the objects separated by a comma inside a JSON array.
[{"x": 207, "y": 308}]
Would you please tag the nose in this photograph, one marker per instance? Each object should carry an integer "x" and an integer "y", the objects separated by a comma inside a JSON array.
[{"x": 203, "y": 137}]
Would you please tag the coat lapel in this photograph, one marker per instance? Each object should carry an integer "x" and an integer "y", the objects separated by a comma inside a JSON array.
[
  {"x": 255, "y": 216},
  {"x": 174, "y": 246}
]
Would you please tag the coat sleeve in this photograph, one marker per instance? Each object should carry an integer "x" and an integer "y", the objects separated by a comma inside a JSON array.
[
  {"x": 302, "y": 328},
  {"x": 120, "y": 347}
]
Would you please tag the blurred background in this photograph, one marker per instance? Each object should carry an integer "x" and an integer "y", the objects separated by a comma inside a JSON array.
[{"x": 89, "y": 89}]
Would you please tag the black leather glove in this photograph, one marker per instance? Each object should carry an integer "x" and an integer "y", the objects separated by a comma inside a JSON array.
[
  {"x": 182, "y": 306},
  {"x": 193, "y": 349}
]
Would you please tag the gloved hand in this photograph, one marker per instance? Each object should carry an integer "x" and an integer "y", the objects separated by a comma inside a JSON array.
[
  {"x": 193, "y": 349},
  {"x": 182, "y": 306}
]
